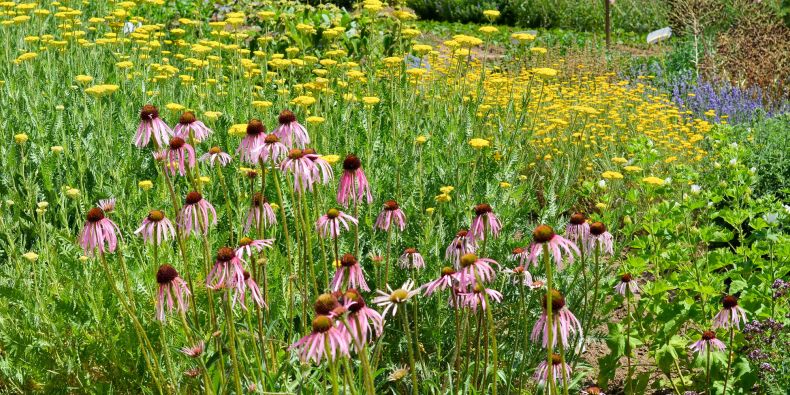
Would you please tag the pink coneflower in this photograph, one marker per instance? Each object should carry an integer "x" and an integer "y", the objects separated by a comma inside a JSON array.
[
  {"x": 518, "y": 254},
  {"x": 730, "y": 315},
  {"x": 256, "y": 133},
  {"x": 322, "y": 170},
  {"x": 325, "y": 335},
  {"x": 98, "y": 231},
  {"x": 461, "y": 245},
  {"x": 627, "y": 283},
  {"x": 360, "y": 319},
  {"x": 107, "y": 205},
  {"x": 557, "y": 244},
  {"x": 227, "y": 271},
  {"x": 260, "y": 210},
  {"x": 215, "y": 154},
  {"x": 600, "y": 237},
  {"x": 578, "y": 230},
  {"x": 331, "y": 223},
  {"x": 446, "y": 280},
  {"x": 708, "y": 341},
  {"x": 247, "y": 245},
  {"x": 302, "y": 169},
  {"x": 194, "y": 351},
  {"x": 189, "y": 123},
  {"x": 291, "y": 132},
  {"x": 484, "y": 214},
  {"x": 411, "y": 259},
  {"x": 239, "y": 293},
  {"x": 271, "y": 149},
  {"x": 171, "y": 287},
  {"x": 559, "y": 370},
  {"x": 349, "y": 274},
  {"x": 537, "y": 283},
  {"x": 194, "y": 216},
  {"x": 391, "y": 213},
  {"x": 180, "y": 154},
  {"x": 563, "y": 321},
  {"x": 156, "y": 228},
  {"x": 151, "y": 125},
  {"x": 392, "y": 299},
  {"x": 520, "y": 276},
  {"x": 473, "y": 268},
  {"x": 478, "y": 297},
  {"x": 353, "y": 180}
]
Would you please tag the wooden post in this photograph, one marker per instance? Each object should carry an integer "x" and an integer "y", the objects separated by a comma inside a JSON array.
[{"x": 607, "y": 7}]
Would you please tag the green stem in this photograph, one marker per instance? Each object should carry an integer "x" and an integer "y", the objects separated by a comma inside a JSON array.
[
  {"x": 729, "y": 359},
  {"x": 232, "y": 342},
  {"x": 549, "y": 320},
  {"x": 407, "y": 332}
]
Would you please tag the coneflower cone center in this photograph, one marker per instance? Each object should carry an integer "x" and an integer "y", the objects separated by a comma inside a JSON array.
[
  {"x": 246, "y": 275},
  {"x": 729, "y": 302},
  {"x": 348, "y": 260},
  {"x": 271, "y": 138},
  {"x": 557, "y": 301},
  {"x": 626, "y": 278},
  {"x": 95, "y": 215},
  {"x": 708, "y": 335},
  {"x": 156, "y": 215},
  {"x": 556, "y": 359},
  {"x": 258, "y": 199},
  {"x": 543, "y": 234},
  {"x": 325, "y": 303},
  {"x": 354, "y": 296},
  {"x": 410, "y": 251},
  {"x": 176, "y": 143},
  {"x": 391, "y": 205},
  {"x": 351, "y": 163},
  {"x": 578, "y": 219},
  {"x": 166, "y": 274},
  {"x": 468, "y": 260},
  {"x": 399, "y": 295},
  {"x": 194, "y": 197},
  {"x": 186, "y": 118},
  {"x": 245, "y": 241},
  {"x": 322, "y": 323},
  {"x": 448, "y": 271},
  {"x": 225, "y": 254},
  {"x": 295, "y": 153},
  {"x": 518, "y": 251},
  {"x": 149, "y": 112},
  {"x": 308, "y": 151},
  {"x": 255, "y": 127},
  {"x": 332, "y": 213},
  {"x": 286, "y": 117},
  {"x": 214, "y": 150},
  {"x": 483, "y": 208},
  {"x": 597, "y": 228}
]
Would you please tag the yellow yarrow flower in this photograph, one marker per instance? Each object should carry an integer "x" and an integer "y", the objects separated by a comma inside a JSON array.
[
  {"x": 653, "y": 180},
  {"x": 145, "y": 185},
  {"x": 479, "y": 143},
  {"x": 612, "y": 175}
]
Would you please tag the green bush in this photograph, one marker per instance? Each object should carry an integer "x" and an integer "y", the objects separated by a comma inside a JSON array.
[
  {"x": 771, "y": 156},
  {"x": 629, "y": 15}
]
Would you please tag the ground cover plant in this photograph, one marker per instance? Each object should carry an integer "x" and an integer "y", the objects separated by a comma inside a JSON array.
[{"x": 275, "y": 197}]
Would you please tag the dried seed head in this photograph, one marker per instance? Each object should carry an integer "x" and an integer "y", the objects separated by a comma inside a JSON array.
[
  {"x": 95, "y": 215},
  {"x": 729, "y": 301},
  {"x": 543, "y": 234},
  {"x": 391, "y": 205},
  {"x": 255, "y": 127},
  {"x": 557, "y": 301},
  {"x": 348, "y": 260},
  {"x": 351, "y": 163},
  {"x": 149, "y": 112},
  {"x": 518, "y": 251},
  {"x": 286, "y": 117},
  {"x": 468, "y": 260},
  {"x": 166, "y": 274},
  {"x": 597, "y": 228},
  {"x": 322, "y": 323},
  {"x": 578, "y": 219},
  {"x": 518, "y": 270},
  {"x": 194, "y": 197},
  {"x": 325, "y": 303},
  {"x": 483, "y": 208},
  {"x": 593, "y": 390},
  {"x": 187, "y": 117},
  {"x": 252, "y": 174},
  {"x": 225, "y": 254},
  {"x": 156, "y": 215}
]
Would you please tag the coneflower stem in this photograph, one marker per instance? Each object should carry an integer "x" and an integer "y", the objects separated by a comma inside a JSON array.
[
  {"x": 729, "y": 359},
  {"x": 332, "y": 365},
  {"x": 387, "y": 257},
  {"x": 356, "y": 213},
  {"x": 550, "y": 385},
  {"x": 228, "y": 208},
  {"x": 596, "y": 278},
  {"x": 407, "y": 332},
  {"x": 287, "y": 246},
  {"x": 565, "y": 377},
  {"x": 367, "y": 374},
  {"x": 628, "y": 383},
  {"x": 166, "y": 349},
  {"x": 232, "y": 342},
  {"x": 707, "y": 369}
]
